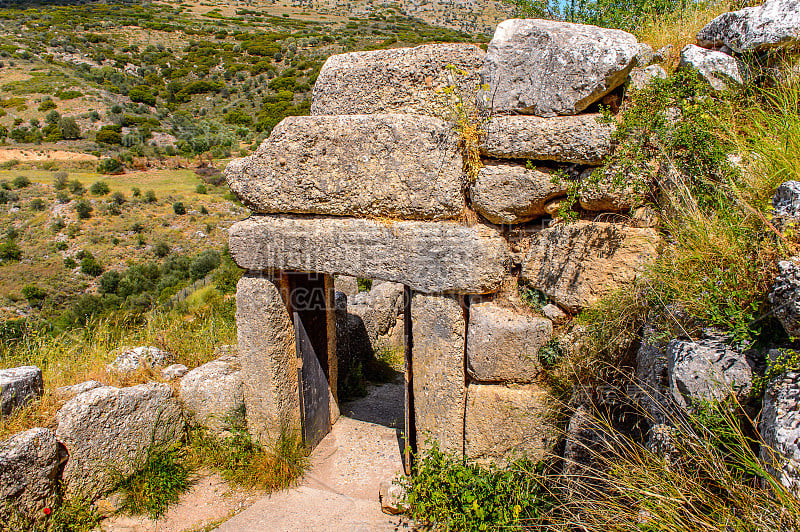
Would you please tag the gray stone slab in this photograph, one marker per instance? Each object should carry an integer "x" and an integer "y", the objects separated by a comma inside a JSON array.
[
  {"x": 389, "y": 165},
  {"x": 430, "y": 257},
  {"x": 439, "y": 329},
  {"x": 399, "y": 80}
]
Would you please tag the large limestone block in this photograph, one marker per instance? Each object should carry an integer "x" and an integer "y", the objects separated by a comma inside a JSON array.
[
  {"x": 707, "y": 370},
  {"x": 774, "y": 24},
  {"x": 108, "y": 432},
  {"x": 438, "y": 329},
  {"x": 780, "y": 429},
  {"x": 512, "y": 193},
  {"x": 502, "y": 421},
  {"x": 430, "y": 257},
  {"x": 548, "y": 68},
  {"x": 503, "y": 345},
  {"x": 400, "y": 166},
  {"x": 603, "y": 190},
  {"x": 583, "y": 139},
  {"x": 28, "y": 473},
  {"x": 717, "y": 68},
  {"x": 213, "y": 393},
  {"x": 267, "y": 357},
  {"x": 785, "y": 296},
  {"x": 578, "y": 263},
  {"x": 18, "y": 386},
  {"x": 400, "y": 80}
]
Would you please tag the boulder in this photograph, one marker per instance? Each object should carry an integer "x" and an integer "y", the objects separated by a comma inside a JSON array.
[
  {"x": 553, "y": 313},
  {"x": 583, "y": 139},
  {"x": 18, "y": 386},
  {"x": 503, "y": 345},
  {"x": 780, "y": 429},
  {"x": 268, "y": 358},
  {"x": 29, "y": 463},
  {"x": 641, "y": 77},
  {"x": 373, "y": 319},
  {"x": 600, "y": 193},
  {"x": 390, "y": 165},
  {"x": 65, "y": 393},
  {"x": 399, "y": 80},
  {"x": 774, "y": 24},
  {"x": 548, "y": 68},
  {"x": 502, "y": 422},
  {"x": 213, "y": 393},
  {"x": 785, "y": 296},
  {"x": 136, "y": 358},
  {"x": 430, "y": 257},
  {"x": 578, "y": 263},
  {"x": 510, "y": 193},
  {"x": 718, "y": 68},
  {"x": 707, "y": 369},
  {"x": 173, "y": 372},
  {"x": 786, "y": 200},
  {"x": 393, "y": 498},
  {"x": 438, "y": 328},
  {"x": 346, "y": 284},
  {"x": 109, "y": 431}
]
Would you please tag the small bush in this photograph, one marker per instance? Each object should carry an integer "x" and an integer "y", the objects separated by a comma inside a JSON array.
[
  {"x": 136, "y": 192},
  {"x": 161, "y": 249},
  {"x": 159, "y": 483},
  {"x": 90, "y": 266},
  {"x": 69, "y": 263},
  {"x": 34, "y": 294},
  {"x": 204, "y": 263},
  {"x": 110, "y": 166},
  {"x": 47, "y": 105},
  {"x": 37, "y": 204},
  {"x": 203, "y": 210},
  {"x": 21, "y": 182},
  {"x": 76, "y": 187},
  {"x": 9, "y": 251},
  {"x": 99, "y": 188},
  {"x": 118, "y": 198},
  {"x": 150, "y": 197},
  {"x": 201, "y": 189},
  {"x": 60, "y": 180},
  {"x": 179, "y": 208},
  {"x": 84, "y": 209}
]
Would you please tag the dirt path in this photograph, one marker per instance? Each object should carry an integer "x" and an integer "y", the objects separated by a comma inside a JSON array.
[{"x": 25, "y": 156}]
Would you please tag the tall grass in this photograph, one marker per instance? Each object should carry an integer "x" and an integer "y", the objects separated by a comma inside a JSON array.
[{"x": 83, "y": 353}]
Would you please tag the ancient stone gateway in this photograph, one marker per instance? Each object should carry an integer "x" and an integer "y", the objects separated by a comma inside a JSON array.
[{"x": 382, "y": 194}]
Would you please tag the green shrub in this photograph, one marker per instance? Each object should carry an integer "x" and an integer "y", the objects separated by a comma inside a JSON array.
[
  {"x": 99, "y": 188},
  {"x": 60, "y": 180},
  {"x": 201, "y": 189},
  {"x": 108, "y": 136},
  {"x": 142, "y": 94},
  {"x": 90, "y": 266},
  {"x": 9, "y": 251},
  {"x": 150, "y": 197},
  {"x": 118, "y": 198},
  {"x": 455, "y": 495},
  {"x": 21, "y": 181},
  {"x": 161, "y": 249},
  {"x": 158, "y": 483},
  {"x": 204, "y": 263},
  {"x": 69, "y": 128},
  {"x": 179, "y": 208},
  {"x": 84, "y": 209},
  {"x": 76, "y": 187},
  {"x": 34, "y": 294},
  {"x": 37, "y": 204},
  {"x": 110, "y": 165},
  {"x": 47, "y": 105},
  {"x": 69, "y": 263}
]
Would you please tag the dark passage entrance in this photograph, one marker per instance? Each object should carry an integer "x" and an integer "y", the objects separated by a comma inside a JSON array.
[{"x": 308, "y": 301}]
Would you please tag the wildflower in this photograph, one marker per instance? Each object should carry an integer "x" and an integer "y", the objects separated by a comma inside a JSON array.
[{"x": 47, "y": 510}]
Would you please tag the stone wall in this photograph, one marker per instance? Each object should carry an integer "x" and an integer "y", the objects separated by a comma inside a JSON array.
[{"x": 373, "y": 185}]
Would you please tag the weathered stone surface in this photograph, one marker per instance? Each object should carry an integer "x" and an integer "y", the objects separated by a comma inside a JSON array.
[
  {"x": 438, "y": 328},
  {"x": 214, "y": 394},
  {"x": 28, "y": 473},
  {"x": 503, "y": 420},
  {"x": 786, "y": 200},
  {"x": 553, "y": 313},
  {"x": 780, "y": 429},
  {"x": 346, "y": 284},
  {"x": 373, "y": 319},
  {"x": 510, "y": 193},
  {"x": 785, "y": 296},
  {"x": 399, "y": 80},
  {"x": 549, "y": 68},
  {"x": 641, "y": 77},
  {"x": 604, "y": 191},
  {"x": 401, "y": 166},
  {"x": 392, "y": 497},
  {"x": 718, "y": 68},
  {"x": 267, "y": 357},
  {"x": 503, "y": 345},
  {"x": 581, "y": 139},
  {"x": 107, "y": 432},
  {"x": 774, "y": 24},
  {"x": 576, "y": 264},
  {"x": 135, "y": 358},
  {"x": 175, "y": 371},
  {"x": 707, "y": 369},
  {"x": 431, "y": 257},
  {"x": 18, "y": 386},
  {"x": 65, "y": 393}
]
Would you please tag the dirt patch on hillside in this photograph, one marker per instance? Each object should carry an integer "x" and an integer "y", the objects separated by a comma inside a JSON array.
[{"x": 26, "y": 156}]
